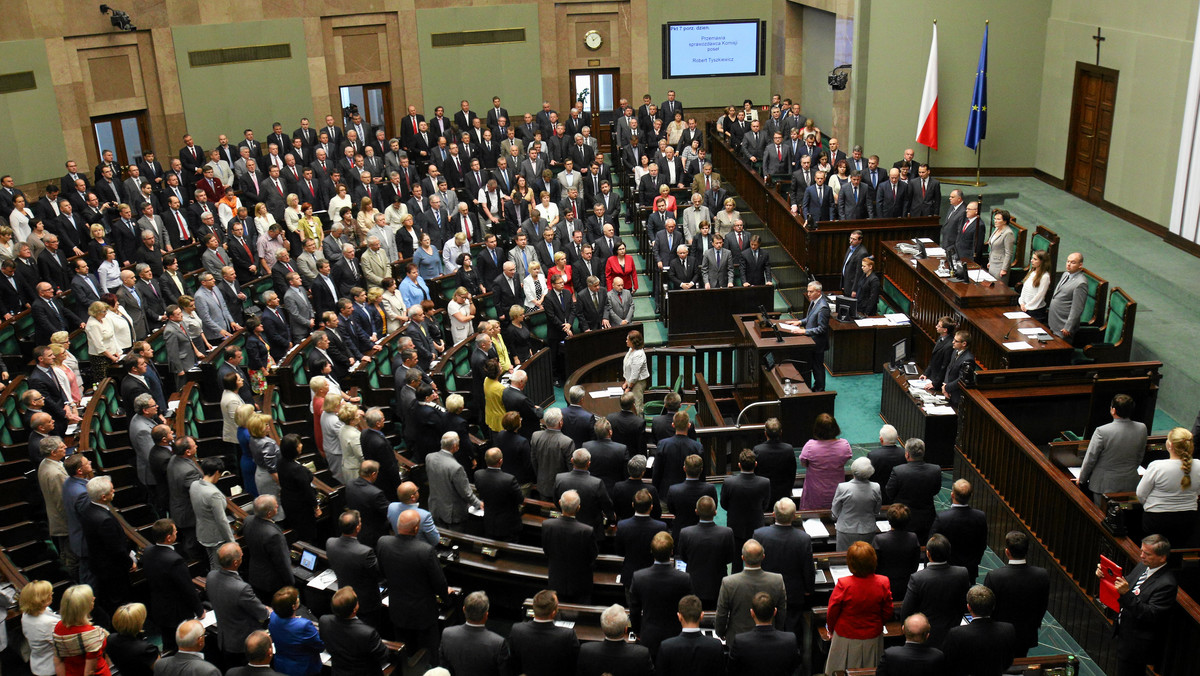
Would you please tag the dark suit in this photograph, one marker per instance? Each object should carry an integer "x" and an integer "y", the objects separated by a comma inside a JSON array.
[
  {"x": 542, "y": 649},
  {"x": 578, "y": 424},
  {"x": 356, "y": 566},
  {"x": 777, "y": 462},
  {"x": 614, "y": 657},
  {"x": 915, "y": 484},
  {"x": 501, "y": 493},
  {"x": 372, "y": 505},
  {"x": 984, "y": 647},
  {"x": 763, "y": 651},
  {"x": 817, "y": 205},
  {"x": 682, "y": 499},
  {"x": 473, "y": 650},
  {"x": 653, "y": 600},
  {"x": 789, "y": 553},
  {"x": 951, "y": 225},
  {"x": 943, "y": 350},
  {"x": 594, "y": 501},
  {"x": 852, "y": 268},
  {"x": 966, "y": 529},
  {"x": 891, "y": 200},
  {"x": 570, "y": 547},
  {"x": 867, "y": 293},
  {"x": 622, "y": 495},
  {"x": 954, "y": 372},
  {"x": 682, "y": 271},
  {"x": 108, "y": 555},
  {"x": 634, "y": 535},
  {"x": 415, "y": 581},
  {"x": 354, "y": 646},
  {"x": 629, "y": 430},
  {"x": 968, "y": 240},
  {"x": 668, "y": 461},
  {"x": 1022, "y": 596},
  {"x": 173, "y": 597},
  {"x": 745, "y": 498},
  {"x": 590, "y": 313},
  {"x": 939, "y": 591},
  {"x": 270, "y": 562},
  {"x": 47, "y": 321},
  {"x": 707, "y": 549},
  {"x": 911, "y": 659},
  {"x": 925, "y": 201},
  {"x": 884, "y": 459},
  {"x": 690, "y": 654},
  {"x": 1142, "y": 623},
  {"x": 855, "y": 207}
]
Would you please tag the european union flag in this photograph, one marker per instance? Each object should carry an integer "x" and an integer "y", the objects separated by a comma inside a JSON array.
[{"x": 977, "y": 122}]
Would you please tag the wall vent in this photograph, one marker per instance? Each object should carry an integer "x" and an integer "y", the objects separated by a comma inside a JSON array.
[{"x": 230, "y": 55}]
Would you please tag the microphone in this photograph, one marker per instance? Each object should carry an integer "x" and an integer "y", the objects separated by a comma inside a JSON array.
[{"x": 1010, "y": 330}]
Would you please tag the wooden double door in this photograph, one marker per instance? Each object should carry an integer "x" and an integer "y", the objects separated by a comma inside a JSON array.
[{"x": 1092, "y": 107}]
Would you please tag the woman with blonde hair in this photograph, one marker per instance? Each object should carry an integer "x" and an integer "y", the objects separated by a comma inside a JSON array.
[
  {"x": 366, "y": 220},
  {"x": 37, "y": 623},
  {"x": 193, "y": 325},
  {"x": 131, "y": 652},
  {"x": 462, "y": 315},
  {"x": 79, "y": 646},
  {"x": 245, "y": 456},
  {"x": 6, "y": 246},
  {"x": 517, "y": 337},
  {"x": 66, "y": 377},
  {"x": 69, "y": 360},
  {"x": 331, "y": 431},
  {"x": 292, "y": 213},
  {"x": 102, "y": 342},
  {"x": 1168, "y": 492},
  {"x": 492, "y": 328},
  {"x": 350, "y": 440},
  {"x": 266, "y": 456}
]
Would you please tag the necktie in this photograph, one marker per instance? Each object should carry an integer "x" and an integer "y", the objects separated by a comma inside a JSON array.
[
  {"x": 183, "y": 229},
  {"x": 923, "y": 181},
  {"x": 254, "y": 177},
  {"x": 596, "y": 300},
  {"x": 219, "y": 256},
  {"x": 92, "y": 285},
  {"x": 55, "y": 308},
  {"x": 779, "y": 152},
  {"x": 856, "y": 195},
  {"x": 1141, "y": 578},
  {"x": 247, "y": 248},
  {"x": 739, "y": 236}
]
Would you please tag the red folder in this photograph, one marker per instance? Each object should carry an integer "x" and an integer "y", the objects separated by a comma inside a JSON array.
[{"x": 1108, "y": 590}]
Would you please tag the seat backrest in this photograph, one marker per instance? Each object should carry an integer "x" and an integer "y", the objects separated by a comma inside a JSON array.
[
  {"x": 1094, "y": 302},
  {"x": 1119, "y": 305},
  {"x": 896, "y": 297}
]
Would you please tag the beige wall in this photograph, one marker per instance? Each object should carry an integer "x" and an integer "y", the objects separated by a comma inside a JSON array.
[
  {"x": 1152, "y": 52},
  {"x": 30, "y": 132}
]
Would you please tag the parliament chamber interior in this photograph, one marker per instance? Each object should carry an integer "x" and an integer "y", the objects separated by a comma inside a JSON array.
[{"x": 558, "y": 337}]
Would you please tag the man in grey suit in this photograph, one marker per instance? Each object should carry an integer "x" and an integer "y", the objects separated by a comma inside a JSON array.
[
  {"x": 238, "y": 610},
  {"x": 189, "y": 661},
  {"x": 450, "y": 494},
  {"x": 717, "y": 267},
  {"x": 214, "y": 257},
  {"x": 1066, "y": 303},
  {"x": 85, "y": 289},
  {"x": 620, "y": 304},
  {"x": 521, "y": 255},
  {"x": 208, "y": 504},
  {"x": 738, "y": 590},
  {"x": 270, "y": 562},
  {"x": 214, "y": 313},
  {"x": 181, "y": 353},
  {"x": 140, "y": 426},
  {"x": 816, "y": 324},
  {"x": 1114, "y": 453},
  {"x": 551, "y": 451},
  {"x": 855, "y": 201},
  {"x": 471, "y": 648},
  {"x": 299, "y": 309},
  {"x": 133, "y": 303}
]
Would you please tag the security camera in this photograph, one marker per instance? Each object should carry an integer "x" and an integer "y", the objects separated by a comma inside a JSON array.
[{"x": 119, "y": 20}]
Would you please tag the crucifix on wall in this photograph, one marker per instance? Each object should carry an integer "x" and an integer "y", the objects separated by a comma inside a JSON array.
[{"x": 1098, "y": 38}]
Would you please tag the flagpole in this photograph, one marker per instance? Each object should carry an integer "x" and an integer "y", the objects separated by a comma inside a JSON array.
[{"x": 978, "y": 183}]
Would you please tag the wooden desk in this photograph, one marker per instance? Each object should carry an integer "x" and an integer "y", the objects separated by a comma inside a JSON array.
[
  {"x": 827, "y": 244},
  {"x": 582, "y": 348},
  {"x": 601, "y": 407},
  {"x": 758, "y": 342},
  {"x": 901, "y": 410},
  {"x": 980, "y": 308},
  {"x": 855, "y": 350},
  {"x": 800, "y": 410},
  {"x": 708, "y": 313}
]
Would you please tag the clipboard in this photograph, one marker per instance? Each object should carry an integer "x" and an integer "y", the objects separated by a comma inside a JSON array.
[{"x": 1108, "y": 590}]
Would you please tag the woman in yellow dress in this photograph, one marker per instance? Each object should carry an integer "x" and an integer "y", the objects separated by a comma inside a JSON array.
[{"x": 493, "y": 393}]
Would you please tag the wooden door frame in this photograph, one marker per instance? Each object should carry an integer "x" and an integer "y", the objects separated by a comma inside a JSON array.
[
  {"x": 601, "y": 134},
  {"x": 119, "y": 134},
  {"x": 1072, "y": 128}
]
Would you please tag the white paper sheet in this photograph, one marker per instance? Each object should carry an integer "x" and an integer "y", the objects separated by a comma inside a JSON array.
[
  {"x": 650, "y": 462},
  {"x": 474, "y": 511},
  {"x": 935, "y": 252},
  {"x": 789, "y": 328},
  {"x": 873, "y": 321},
  {"x": 797, "y": 492},
  {"x": 883, "y": 526},
  {"x": 1018, "y": 345},
  {"x": 326, "y": 579},
  {"x": 939, "y": 410},
  {"x": 815, "y": 528},
  {"x": 1016, "y": 315},
  {"x": 1075, "y": 471},
  {"x": 209, "y": 619},
  {"x": 925, "y": 239},
  {"x": 1030, "y": 331},
  {"x": 897, "y": 318},
  {"x": 839, "y": 572}
]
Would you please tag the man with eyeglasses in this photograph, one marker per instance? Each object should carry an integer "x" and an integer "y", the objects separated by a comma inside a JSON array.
[
  {"x": 959, "y": 363},
  {"x": 816, "y": 324}
]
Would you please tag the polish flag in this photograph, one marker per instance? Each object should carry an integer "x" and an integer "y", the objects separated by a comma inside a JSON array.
[{"x": 927, "y": 121}]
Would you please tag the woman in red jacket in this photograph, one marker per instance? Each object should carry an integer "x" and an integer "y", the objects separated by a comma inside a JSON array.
[
  {"x": 620, "y": 264},
  {"x": 860, "y": 605}
]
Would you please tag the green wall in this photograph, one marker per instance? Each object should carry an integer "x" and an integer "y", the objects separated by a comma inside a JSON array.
[
  {"x": 226, "y": 99},
  {"x": 817, "y": 36},
  {"x": 479, "y": 72},
  {"x": 30, "y": 129},
  {"x": 894, "y": 46},
  {"x": 705, "y": 92},
  {"x": 1152, "y": 52}
]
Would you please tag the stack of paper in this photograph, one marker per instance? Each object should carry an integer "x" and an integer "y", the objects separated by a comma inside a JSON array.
[
  {"x": 788, "y": 328},
  {"x": 873, "y": 321},
  {"x": 1075, "y": 471},
  {"x": 1018, "y": 345},
  {"x": 897, "y": 318},
  {"x": 838, "y": 572},
  {"x": 327, "y": 579},
  {"x": 935, "y": 252},
  {"x": 934, "y": 409},
  {"x": 815, "y": 528},
  {"x": 981, "y": 276},
  {"x": 209, "y": 619}
]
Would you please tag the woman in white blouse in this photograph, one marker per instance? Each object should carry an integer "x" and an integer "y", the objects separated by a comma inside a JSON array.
[
  {"x": 1036, "y": 286},
  {"x": 292, "y": 214},
  {"x": 110, "y": 270},
  {"x": 342, "y": 199},
  {"x": 548, "y": 210},
  {"x": 395, "y": 214},
  {"x": 18, "y": 220},
  {"x": 69, "y": 360},
  {"x": 1168, "y": 491},
  {"x": 490, "y": 202},
  {"x": 634, "y": 369},
  {"x": 462, "y": 314},
  {"x": 65, "y": 376},
  {"x": 263, "y": 220},
  {"x": 37, "y": 623},
  {"x": 534, "y": 286},
  {"x": 121, "y": 322},
  {"x": 102, "y": 341},
  {"x": 452, "y": 249},
  {"x": 393, "y": 303},
  {"x": 350, "y": 440},
  {"x": 6, "y": 242}
]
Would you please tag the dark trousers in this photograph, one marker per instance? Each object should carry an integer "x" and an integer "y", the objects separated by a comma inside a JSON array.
[
  {"x": 816, "y": 360},
  {"x": 1177, "y": 527},
  {"x": 427, "y": 638}
]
